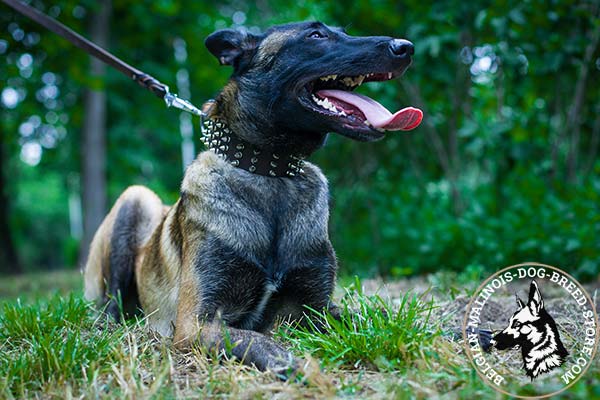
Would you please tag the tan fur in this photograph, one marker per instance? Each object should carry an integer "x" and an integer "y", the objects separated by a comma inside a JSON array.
[
  {"x": 271, "y": 46},
  {"x": 157, "y": 273},
  {"x": 94, "y": 282},
  {"x": 188, "y": 308},
  {"x": 96, "y": 269},
  {"x": 158, "y": 265},
  {"x": 227, "y": 106}
]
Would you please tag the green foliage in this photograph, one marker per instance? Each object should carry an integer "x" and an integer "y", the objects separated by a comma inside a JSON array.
[
  {"x": 504, "y": 168},
  {"x": 414, "y": 232},
  {"x": 371, "y": 332}
]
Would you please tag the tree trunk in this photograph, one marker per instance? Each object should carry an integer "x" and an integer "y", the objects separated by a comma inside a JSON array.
[
  {"x": 574, "y": 116},
  {"x": 93, "y": 161},
  {"x": 9, "y": 262}
]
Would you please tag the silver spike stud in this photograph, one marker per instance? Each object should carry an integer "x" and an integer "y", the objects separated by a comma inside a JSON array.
[
  {"x": 235, "y": 163},
  {"x": 239, "y": 146},
  {"x": 275, "y": 156},
  {"x": 256, "y": 152},
  {"x": 273, "y": 164},
  {"x": 272, "y": 173},
  {"x": 252, "y": 168},
  {"x": 238, "y": 155},
  {"x": 254, "y": 160}
]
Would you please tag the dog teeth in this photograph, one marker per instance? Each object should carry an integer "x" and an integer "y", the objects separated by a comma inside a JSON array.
[
  {"x": 348, "y": 81},
  {"x": 326, "y": 104},
  {"x": 353, "y": 82},
  {"x": 389, "y": 75},
  {"x": 328, "y": 77}
]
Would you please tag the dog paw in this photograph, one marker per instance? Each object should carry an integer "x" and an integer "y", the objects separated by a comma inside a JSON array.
[
  {"x": 283, "y": 367},
  {"x": 265, "y": 354}
]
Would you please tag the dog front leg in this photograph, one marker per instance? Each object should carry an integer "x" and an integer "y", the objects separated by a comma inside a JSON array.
[{"x": 252, "y": 348}]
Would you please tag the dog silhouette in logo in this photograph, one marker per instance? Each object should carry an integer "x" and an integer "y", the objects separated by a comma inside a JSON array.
[{"x": 535, "y": 332}]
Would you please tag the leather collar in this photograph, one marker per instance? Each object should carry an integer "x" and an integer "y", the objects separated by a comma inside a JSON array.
[{"x": 218, "y": 138}]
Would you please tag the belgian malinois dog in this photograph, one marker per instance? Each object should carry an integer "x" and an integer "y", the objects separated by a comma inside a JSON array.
[{"x": 247, "y": 242}]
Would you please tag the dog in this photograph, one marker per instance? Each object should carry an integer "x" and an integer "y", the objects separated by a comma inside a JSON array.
[
  {"x": 535, "y": 332},
  {"x": 247, "y": 242}
]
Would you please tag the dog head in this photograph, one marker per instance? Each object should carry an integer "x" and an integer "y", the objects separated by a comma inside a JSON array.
[
  {"x": 526, "y": 324},
  {"x": 294, "y": 83}
]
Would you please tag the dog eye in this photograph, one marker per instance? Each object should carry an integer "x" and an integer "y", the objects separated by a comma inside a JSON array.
[
  {"x": 316, "y": 35},
  {"x": 516, "y": 325}
]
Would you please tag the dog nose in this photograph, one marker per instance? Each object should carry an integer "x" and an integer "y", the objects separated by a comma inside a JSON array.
[{"x": 401, "y": 48}]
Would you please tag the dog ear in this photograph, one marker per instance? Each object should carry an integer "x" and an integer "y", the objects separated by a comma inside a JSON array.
[
  {"x": 536, "y": 303},
  {"x": 229, "y": 45},
  {"x": 520, "y": 303}
]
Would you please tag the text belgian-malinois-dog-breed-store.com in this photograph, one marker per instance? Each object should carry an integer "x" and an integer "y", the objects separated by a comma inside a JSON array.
[{"x": 247, "y": 242}]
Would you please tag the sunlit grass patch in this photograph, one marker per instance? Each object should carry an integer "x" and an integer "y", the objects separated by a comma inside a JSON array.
[
  {"x": 371, "y": 333},
  {"x": 50, "y": 341}
]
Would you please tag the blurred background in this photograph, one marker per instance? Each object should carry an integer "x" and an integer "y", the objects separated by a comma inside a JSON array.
[{"x": 504, "y": 168}]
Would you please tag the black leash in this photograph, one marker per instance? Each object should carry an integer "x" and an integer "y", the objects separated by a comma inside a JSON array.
[
  {"x": 216, "y": 136},
  {"x": 154, "y": 85}
]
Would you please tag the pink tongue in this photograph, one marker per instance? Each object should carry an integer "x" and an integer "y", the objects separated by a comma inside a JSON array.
[{"x": 378, "y": 116}]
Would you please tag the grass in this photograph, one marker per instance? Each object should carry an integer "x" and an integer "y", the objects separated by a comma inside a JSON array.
[
  {"x": 371, "y": 334},
  {"x": 32, "y": 286},
  {"x": 391, "y": 345},
  {"x": 50, "y": 343}
]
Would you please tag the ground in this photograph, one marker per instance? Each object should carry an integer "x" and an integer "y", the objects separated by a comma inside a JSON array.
[{"x": 53, "y": 346}]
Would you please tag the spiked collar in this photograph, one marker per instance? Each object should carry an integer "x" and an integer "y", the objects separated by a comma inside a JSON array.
[{"x": 218, "y": 138}]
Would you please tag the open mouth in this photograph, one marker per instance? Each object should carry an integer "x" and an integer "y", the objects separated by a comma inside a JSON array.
[{"x": 332, "y": 96}]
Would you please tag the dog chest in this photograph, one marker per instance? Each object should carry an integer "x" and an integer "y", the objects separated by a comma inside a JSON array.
[
  {"x": 244, "y": 288},
  {"x": 260, "y": 234}
]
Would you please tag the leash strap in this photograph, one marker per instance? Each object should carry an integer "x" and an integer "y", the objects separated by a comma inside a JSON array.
[{"x": 154, "y": 85}]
